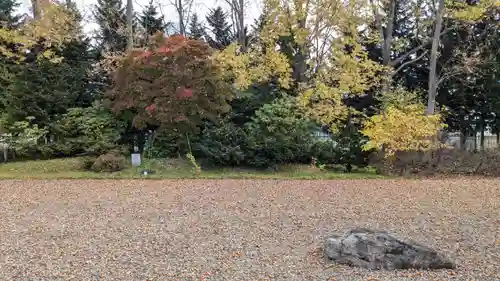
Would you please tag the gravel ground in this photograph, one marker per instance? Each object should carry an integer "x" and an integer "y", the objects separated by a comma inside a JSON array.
[{"x": 237, "y": 229}]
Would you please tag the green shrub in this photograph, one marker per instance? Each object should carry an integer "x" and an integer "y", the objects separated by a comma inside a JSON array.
[
  {"x": 195, "y": 166},
  {"x": 85, "y": 163},
  {"x": 28, "y": 139},
  {"x": 222, "y": 145},
  {"x": 168, "y": 144},
  {"x": 349, "y": 149},
  {"x": 279, "y": 133},
  {"x": 92, "y": 130},
  {"x": 109, "y": 162}
]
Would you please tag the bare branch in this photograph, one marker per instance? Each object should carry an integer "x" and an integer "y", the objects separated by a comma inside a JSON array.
[
  {"x": 183, "y": 9},
  {"x": 408, "y": 63},
  {"x": 418, "y": 48}
]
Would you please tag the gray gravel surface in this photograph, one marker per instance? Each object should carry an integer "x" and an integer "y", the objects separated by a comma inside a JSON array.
[{"x": 237, "y": 229}]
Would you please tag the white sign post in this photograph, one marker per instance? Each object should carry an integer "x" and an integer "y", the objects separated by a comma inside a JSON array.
[{"x": 136, "y": 157}]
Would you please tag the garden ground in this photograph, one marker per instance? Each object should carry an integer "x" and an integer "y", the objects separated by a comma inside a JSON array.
[
  {"x": 237, "y": 229},
  {"x": 174, "y": 168}
]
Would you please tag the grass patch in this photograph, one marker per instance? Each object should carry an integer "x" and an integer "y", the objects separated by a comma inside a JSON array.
[{"x": 70, "y": 168}]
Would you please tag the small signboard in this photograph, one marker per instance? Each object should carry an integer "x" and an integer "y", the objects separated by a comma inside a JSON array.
[{"x": 136, "y": 159}]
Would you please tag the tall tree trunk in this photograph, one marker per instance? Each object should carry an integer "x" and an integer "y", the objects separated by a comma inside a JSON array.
[
  {"x": 433, "y": 79},
  {"x": 475, "y": 137},
  {"x": 482, "y": 133},
  {"x": 463, "y": 139},
  {"x": 463, "y": 132},
  {"x": 180, "y": 13},
  {"x": 238, "y": 18},
  {"x": 387, "y": 45},
  {"x": 386, "y": 56},
  {"x": 130, "y": 28},
  {"x": 300, "y": 58},
  {"x": 37, "y": 9},
  {"x": 241, "y": 25}
]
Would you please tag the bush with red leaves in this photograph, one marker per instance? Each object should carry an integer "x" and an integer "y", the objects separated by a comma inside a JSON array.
[{"x": 174, "y": 82}]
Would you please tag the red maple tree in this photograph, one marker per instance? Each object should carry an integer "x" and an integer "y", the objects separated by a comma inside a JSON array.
[{"x": 173, "y": 81}]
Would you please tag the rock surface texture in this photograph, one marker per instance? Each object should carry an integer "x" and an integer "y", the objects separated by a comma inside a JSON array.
[{"x": 379, "y": 250}]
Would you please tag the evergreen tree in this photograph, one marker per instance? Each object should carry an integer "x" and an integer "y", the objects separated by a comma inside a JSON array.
[
  {"x": 44, "y": 89},
  {"x": 7, "y": 17},
  {"x": 111, "y": 17},
  {"x": 196, "y": 28},
  {"x": 151, "y": 21},
  {"x": 222, "y": 36}
]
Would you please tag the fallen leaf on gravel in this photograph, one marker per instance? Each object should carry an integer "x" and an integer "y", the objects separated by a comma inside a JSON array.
[
  {"x": 236, "y": 254},
  {"x": 113, "y": 227}
]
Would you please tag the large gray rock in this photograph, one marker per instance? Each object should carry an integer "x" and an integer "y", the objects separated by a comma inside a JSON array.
[{"x": 379, "y": 250}]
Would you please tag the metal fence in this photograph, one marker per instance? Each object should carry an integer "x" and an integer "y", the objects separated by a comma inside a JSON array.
[{"x": 490, "y": 142}]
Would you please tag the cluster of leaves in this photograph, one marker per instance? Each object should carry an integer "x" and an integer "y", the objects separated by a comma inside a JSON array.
[
  {"x": 172, "y": 84},
  {"x": 93, "y": 130},
  {"x": 280, "y": 133},
  {"x": 57, "y": 26},
  {"x": 26, "y": 137},
  {"x": 254, "y": 66},
  {"x": 46, "y": 84},
  {"x": 403, "y": 128},
  {"x": 109, "y": 162},
  {"x": 223, "y": 144}
]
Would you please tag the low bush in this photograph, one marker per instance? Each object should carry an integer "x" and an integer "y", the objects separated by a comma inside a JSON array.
[
  {"x": 445, "y": 161},
  {"x": 85, "y": 163},
  {"x": 222, "y": 145},
  {"x": 279, "y": 133},
  {"x": 109, "y": 162},
  {"x": 93, "y": 131}
]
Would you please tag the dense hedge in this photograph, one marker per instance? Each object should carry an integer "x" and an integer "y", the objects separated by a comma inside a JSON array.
[{"x": 439, "y": 162}]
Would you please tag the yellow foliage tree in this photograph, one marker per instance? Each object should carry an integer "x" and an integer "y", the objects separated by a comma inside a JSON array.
[
  {"x": 403, "y": 128},
  {"x": 327, "y": 59},
  {"x": 252, "y": 66},
  {"x": 348, "y": 74},
  {"x": 57, "y": 25}
]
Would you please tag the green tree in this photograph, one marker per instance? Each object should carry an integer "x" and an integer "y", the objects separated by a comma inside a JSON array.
[
  {"x": 151, "y": 21},
  {"x": 43, "y": 88},
  {"x": 92, "y": 130},
  {"x": 8, "y": 18},
  {"x": 196, "y": 28},
  {"x": 279, "y": 133},
  {"x": 111, "y": 18},
  {"x": 220, "y": 28}
]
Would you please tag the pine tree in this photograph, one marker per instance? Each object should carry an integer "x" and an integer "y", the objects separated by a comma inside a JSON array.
[
  {"x": 151, "y": 21},
  {"x": 7, "y": 20},
  {"x": 44, "y": 88},
  {"x": 7, "y": 17},
  {"x": 111, "y": 17},
  {"x": 196, "y": 28},
  {"x": 222, "y": 36}
]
